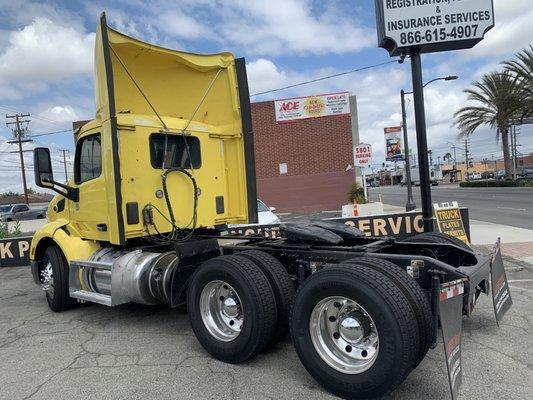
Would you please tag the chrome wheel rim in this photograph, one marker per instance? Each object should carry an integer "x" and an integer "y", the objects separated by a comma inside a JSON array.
[
  {"x": 344, "y": 334},
  {"x": 221, "y": 310},
  {"x": 47, "y": 279}
]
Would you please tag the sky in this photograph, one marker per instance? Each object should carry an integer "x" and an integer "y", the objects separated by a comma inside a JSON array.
[{"x": 46, "y": 63}]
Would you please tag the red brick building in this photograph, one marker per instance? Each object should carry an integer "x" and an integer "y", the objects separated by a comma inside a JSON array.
[{"x": 304, "y": 165}]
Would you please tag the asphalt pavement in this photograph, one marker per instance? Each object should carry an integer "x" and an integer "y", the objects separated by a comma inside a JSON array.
[
  {"x": 506, "y": 206},
  {"x": 140, "y": 352}
]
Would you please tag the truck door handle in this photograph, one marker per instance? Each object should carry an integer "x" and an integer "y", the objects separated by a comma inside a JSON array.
[{"x": 101, "y": 227}]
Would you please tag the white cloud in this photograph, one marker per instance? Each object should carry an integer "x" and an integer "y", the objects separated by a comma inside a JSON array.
[
  {"x": 264, "y": 75},
  {"x": 512, "y": 31},
  {"x": 289, "y": 27},
  {"x": 43, "y": 53},
  {"x": 178, "y": 24}
]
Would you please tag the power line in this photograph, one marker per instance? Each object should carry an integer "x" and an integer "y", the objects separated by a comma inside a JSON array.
[
  {"x": 51, "y": 133},
  {"x": 324, "y": 78}
]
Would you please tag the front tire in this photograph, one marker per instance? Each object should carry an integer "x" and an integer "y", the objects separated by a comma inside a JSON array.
[
  {"x": 369, "y": 340},
  {"x": 231, "y": 307},
  {"x": 54, "y": 276}
]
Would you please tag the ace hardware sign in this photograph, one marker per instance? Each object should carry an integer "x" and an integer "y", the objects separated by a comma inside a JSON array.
[{"x": 432, "y": 25}]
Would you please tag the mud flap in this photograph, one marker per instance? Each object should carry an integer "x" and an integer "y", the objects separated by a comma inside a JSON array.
[
  {"x": 501, "y": 295},
  {"x": 451, "y": 313}
]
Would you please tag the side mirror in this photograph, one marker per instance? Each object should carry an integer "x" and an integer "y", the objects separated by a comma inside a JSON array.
[
  {"x": 273, "y": 209},
  {"x": 44, "y": 177},
  {"x": 42, "y": 164}
]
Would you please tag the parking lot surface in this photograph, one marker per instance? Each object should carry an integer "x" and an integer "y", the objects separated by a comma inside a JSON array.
[{"x": 138, "y": 352}]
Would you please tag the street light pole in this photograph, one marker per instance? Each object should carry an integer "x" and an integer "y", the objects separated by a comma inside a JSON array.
[{"x": 410, "y": 205}]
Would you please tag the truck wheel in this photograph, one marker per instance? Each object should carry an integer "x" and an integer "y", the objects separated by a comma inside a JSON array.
[
  {"x": 354, "y": 331},
  {"x": 54, "y": 277},
  {"x": 281, "y": 284},
  {"x": 412, "y": 291},
  {"x": 437, "y": 237},
  {"x": 232, "y": 309}
]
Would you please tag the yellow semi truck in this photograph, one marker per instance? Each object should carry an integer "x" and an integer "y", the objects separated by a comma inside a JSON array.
[{"x": 166, "y": 165}]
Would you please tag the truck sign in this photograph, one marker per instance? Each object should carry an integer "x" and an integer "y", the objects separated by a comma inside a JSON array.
[{"x": 432, "y": 25}]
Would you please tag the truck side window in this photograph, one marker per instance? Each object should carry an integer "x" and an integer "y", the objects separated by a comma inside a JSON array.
[
  {"x": 88, "y": 159},
  {"x": 177, "y": 155}
]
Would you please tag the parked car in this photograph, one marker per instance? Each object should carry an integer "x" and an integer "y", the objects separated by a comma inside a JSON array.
[
  {"x": 265, "y": 216},
  {"x": 18, "y": 212},
  {"x": 474, "y": 176},
  {"x": 374, "y": 183},
  {"x": 500, "y": 174},
  {"x": 526, "y": 173}
]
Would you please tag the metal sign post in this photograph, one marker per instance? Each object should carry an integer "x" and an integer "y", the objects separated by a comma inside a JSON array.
[
  {"x": 362, "y": 153},
  {"x": 421, "y": 141}
]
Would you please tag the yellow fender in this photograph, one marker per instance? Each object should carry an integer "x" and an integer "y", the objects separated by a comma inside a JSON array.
[{"x": 61, "y": 234}]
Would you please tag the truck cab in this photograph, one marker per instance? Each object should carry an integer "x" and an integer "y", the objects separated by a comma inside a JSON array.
[{"x": 167, "y": 151}]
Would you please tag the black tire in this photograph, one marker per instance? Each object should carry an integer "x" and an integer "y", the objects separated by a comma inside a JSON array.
[
  {"x": 60, "y": 299},
  {"x": 437, "y": 237},
  {"x": 40, "y": 216},
  {"x": 257, "y": 299},
  {"x": 281, "y": 284},
  {"x": 412, "y": 291},
  {"x": 392, "y": 314}
]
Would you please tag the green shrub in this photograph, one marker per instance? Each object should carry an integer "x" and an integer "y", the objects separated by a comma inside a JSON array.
[
  {"x": 525, "y": 183},
  {"x": 356, "y": 194},
  {"x": 478, "y": 184}
]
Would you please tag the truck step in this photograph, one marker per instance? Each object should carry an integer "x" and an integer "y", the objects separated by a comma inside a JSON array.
[
  {"x": 92, "y": 297},
  {"x": 91, "y": 264}
]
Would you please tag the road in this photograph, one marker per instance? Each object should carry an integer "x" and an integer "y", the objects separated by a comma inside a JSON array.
[
  {"x": 506, "y": 206},
  {"x": 140, "y": 352}
]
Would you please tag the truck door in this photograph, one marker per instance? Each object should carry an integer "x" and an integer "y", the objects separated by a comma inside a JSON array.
[{"x": 89, "y": 214}]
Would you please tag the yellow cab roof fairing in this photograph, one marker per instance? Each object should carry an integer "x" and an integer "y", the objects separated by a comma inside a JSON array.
[{"x": 169, "y": 79}]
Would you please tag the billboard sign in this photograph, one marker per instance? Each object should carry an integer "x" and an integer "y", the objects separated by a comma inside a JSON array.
[
  {"x": 432, "y": 26},
  {"x": 393, "y": 143},
  {"x": 322, "y": 105},
  {"x": 362, "y": 154}
]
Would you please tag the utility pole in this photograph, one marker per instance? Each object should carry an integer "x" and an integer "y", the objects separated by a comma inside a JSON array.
[
  {"x": 19, "y": 134},
  {"x": 65, "y": 163},
  {"x": 466, "y": 156}
]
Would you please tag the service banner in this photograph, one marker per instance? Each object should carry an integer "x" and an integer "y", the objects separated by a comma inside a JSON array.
[
  {"x": 15, "y": 251},
  {"x": 393, "y": 143},
  {"x": 322, "y": 105},
  {"x": 398, "y": 225}
]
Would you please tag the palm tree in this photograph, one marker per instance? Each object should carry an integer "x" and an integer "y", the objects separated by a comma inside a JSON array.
[
  {"x": 447, "y": 157},
  {"x": 497, "y": 101},
  {"x": 522, "y": 70}
]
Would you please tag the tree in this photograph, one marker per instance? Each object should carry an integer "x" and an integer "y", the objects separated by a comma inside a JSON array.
[
  {"x": 521, "y": 69},
  {"x": 447, "y": 157},
  {"x": 498, "y": 100}
]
